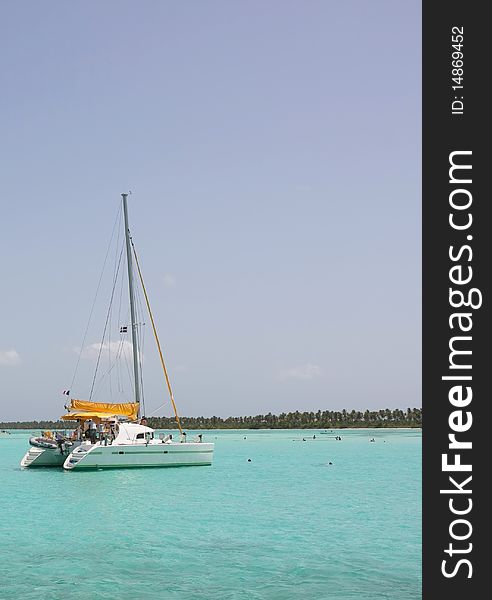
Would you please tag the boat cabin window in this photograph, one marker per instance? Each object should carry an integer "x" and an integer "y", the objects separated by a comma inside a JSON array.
[{"x": 140, "y": 436}]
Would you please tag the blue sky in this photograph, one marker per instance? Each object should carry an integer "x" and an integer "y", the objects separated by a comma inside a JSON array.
[{"x": 273, "y": 153}]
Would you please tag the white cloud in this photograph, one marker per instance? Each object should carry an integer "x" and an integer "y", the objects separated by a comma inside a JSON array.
[
  {"x": 169, "y": 280},
  {"x": 9, "y": 358},
  {"x": 307, "y": 371},
  {"x": 108, "y": 348}
]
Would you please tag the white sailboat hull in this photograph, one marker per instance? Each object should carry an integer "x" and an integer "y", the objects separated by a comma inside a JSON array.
[
  {"x": 115, "y": 456},
  {"x": 43, "y": 457}
]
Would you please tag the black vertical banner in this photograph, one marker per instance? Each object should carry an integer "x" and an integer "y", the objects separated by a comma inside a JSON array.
[{"x": 457, "y": 344}]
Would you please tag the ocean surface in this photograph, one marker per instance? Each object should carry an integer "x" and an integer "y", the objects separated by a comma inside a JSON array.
[{"x": 287, "y": 524}]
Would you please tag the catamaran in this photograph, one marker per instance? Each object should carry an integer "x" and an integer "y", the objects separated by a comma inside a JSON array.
[{"x": 115, "y": 435}]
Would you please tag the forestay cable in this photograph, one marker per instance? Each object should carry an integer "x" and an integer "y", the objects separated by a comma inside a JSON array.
[{"x": 156, "y": 338}]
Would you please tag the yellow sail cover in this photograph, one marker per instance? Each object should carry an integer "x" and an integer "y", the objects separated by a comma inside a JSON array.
[
  {"x": 85, "y": 414},
  {"x": 127, "y": 409}
]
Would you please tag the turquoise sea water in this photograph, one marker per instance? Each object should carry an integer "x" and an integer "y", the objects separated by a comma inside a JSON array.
[{"x": 285, "y": 525}]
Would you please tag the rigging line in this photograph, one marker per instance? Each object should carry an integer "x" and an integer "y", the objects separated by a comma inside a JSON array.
[
  {"x": 124, "y": 359},
  {"x": 158, "y": 408},
  {"x": 95, "y": 298},
  {"x": 108, "y": 372},
  {"x": 141, "y": 337},
  {"x": 111, "y": 366},
  {"x": 109, "y": 348},
  {"x": 121, "y": 295},
  {"x": 141, "y": 366},
  {"x": 115, "y": 277},
  {"x": 117, "y": 248},
  {"x": 156, "y": 337},
  {"x": 104, "y": 332},
  {"x": 120, "y": 382},
  {"x": 119, "y": 370},
  {"x": 128, "y": 371}
]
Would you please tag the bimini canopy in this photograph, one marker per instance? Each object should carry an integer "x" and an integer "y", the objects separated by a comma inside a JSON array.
[
  {"x": 86, "y": 414},
  {"x": 86, "y": 410}
]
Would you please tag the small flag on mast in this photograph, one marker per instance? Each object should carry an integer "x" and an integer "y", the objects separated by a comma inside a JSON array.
[
  {"x": 66, "y": 392},
  {"x": 124, "y": 329}
]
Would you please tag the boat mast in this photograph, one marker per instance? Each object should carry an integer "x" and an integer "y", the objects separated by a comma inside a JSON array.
[{"x": 132, "y": 307}]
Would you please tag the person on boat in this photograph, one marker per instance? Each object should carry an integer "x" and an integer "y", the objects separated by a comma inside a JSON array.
[
  {"x": 143, "y": 421},
  {"x": 60, "y": 440},
  {"x": 113, "y": 431},
  {"x": 76, "y": 433},
  {"x": 92, "y": 431}
]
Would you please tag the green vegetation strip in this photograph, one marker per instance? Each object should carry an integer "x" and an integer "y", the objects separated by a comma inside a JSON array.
[{"x": 326, "y": 419}]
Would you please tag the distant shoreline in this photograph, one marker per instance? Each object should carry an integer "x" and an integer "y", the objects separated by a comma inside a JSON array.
[
  {"x": 72, "y": 424},
  {"x": 319, "y": 420}
]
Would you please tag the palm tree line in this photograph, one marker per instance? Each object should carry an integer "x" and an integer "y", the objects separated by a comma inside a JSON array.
[{"x": 326, "y": 419}]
